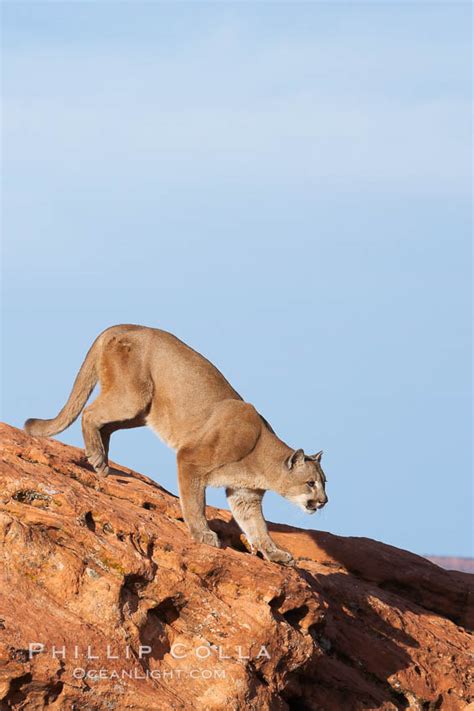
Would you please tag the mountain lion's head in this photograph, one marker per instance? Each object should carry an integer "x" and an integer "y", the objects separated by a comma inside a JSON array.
[{"x": 305, "y": 482}]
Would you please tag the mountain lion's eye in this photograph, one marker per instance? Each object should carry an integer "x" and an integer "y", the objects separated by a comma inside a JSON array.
[{"x": 311, "y": 482}]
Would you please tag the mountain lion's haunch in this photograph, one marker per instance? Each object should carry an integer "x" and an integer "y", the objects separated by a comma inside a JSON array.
[{"x": 150, "y": 377}]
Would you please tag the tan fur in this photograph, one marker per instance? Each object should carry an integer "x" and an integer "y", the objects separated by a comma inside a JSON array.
[{"x": 150, "y": 377}]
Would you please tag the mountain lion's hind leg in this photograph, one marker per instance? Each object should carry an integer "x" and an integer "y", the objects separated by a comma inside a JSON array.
[
  {"x": 246, "y": 507},
  {"x": 108, "y": 413}
]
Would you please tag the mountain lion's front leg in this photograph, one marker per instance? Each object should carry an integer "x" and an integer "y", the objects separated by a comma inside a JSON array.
[
  {"x": 246, "y": 506},
  {"x": 192, "y": 493}
]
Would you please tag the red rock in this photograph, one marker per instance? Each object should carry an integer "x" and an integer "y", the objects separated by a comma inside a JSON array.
[{"x": 355, "y": 625}]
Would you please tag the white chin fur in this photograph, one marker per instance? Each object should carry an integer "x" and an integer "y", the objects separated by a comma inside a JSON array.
[{"x": 301, "y": 503}]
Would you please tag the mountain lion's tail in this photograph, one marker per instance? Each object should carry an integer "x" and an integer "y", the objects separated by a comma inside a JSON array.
[{"x": 83, "y": 386}]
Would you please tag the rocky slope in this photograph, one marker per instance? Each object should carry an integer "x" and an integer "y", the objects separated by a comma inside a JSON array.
[{"x": 124, "y": 611}]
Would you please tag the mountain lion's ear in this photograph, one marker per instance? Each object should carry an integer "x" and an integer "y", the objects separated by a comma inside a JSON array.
[
  {"x": 317, "y": 457},
  {"x": 295, "y": 458}
]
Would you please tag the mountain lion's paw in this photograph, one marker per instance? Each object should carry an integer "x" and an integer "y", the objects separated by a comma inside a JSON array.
[
  {"x": 98, "y": 463},
  {"x": 208, "y": 537},
  {"x": 277, "y": 555}
]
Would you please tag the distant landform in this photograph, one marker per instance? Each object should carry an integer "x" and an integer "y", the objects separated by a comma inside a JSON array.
[{"x": 464, "y": 565}]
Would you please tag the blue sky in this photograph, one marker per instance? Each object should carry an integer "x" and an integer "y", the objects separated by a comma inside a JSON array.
[{"x": 286, "y": 187}]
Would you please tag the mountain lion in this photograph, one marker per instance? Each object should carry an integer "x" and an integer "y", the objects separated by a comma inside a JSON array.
[{"x": 150, "y": 377}]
